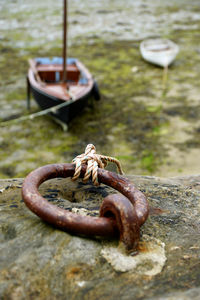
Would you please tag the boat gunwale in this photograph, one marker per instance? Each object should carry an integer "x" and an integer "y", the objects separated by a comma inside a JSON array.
[{"x": 171, "y": 47}]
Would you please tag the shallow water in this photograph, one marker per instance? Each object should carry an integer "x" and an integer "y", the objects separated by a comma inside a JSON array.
[{"x": 151, "y": 129}]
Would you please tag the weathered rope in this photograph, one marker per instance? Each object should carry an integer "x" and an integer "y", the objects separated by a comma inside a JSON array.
[{"x": 93, "y": 162}]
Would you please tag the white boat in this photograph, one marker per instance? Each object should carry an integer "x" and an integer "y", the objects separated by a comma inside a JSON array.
[{"x": 161, "y": 52}]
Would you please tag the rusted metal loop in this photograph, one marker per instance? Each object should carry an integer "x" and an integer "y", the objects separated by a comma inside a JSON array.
[
  {"x": 124, "y": 214},
  {"x": 118, "y": 214}
]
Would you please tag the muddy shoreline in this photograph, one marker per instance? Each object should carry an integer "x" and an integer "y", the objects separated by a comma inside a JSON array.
[{"x": 151, "y": 130}]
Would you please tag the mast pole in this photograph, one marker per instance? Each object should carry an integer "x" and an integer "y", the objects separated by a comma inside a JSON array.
[{"x": 64, "y": 41}]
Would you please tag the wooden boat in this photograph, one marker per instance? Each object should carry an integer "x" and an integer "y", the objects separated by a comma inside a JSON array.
[
  {"x": 161, "y": 52},
  {"x": 45, "y": 82},
  {"x": 60, "y": 82}
]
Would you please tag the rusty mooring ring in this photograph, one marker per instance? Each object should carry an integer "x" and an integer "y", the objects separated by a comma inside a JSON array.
[{"x": 122, "y": 214}]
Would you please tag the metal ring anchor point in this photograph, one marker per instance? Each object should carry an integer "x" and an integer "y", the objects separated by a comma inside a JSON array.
[{"x": 119, "y": 214}]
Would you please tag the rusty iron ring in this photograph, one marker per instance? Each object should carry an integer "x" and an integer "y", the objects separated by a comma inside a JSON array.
[{"x": 119, "y": 214}]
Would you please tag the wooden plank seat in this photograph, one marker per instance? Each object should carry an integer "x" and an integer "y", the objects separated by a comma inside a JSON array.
[{"x": 54, "y": 73}]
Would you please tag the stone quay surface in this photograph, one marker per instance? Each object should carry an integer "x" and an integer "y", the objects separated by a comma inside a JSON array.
[{"x": 38, "y": 261}]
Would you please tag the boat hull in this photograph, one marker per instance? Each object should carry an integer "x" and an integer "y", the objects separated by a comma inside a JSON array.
[{"x": 64, "y": 114}]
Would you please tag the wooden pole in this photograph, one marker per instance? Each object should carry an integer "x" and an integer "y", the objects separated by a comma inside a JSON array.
[{"x": 64, "y": 41}]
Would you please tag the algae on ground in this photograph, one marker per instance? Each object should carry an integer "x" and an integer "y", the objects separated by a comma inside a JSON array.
[{"x": 151, "y": 130}]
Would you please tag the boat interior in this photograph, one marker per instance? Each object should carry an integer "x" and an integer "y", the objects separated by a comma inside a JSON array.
[
  {"x": 51, "y": 71},
  {"x": 54, "y": 73}
]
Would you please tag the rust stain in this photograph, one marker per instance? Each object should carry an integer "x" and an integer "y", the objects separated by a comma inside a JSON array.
[{"x": 73, "y": 273}]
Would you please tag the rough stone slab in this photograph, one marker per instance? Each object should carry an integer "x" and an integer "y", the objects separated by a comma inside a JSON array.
[{"x": 38, "y": 261}]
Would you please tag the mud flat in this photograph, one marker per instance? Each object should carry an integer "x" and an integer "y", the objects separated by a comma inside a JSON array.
[{"x": 151, "y": 130}]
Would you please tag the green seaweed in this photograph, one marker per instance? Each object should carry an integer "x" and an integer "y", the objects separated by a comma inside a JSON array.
[{"x": 132, "y": 120}]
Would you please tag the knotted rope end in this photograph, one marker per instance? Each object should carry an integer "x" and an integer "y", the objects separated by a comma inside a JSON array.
[{"x": 93, "y": 162}]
